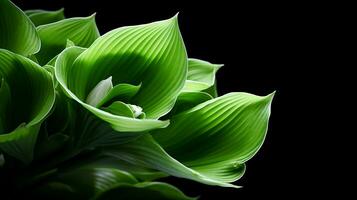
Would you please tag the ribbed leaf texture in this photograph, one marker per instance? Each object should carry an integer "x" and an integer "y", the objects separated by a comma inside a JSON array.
[{"x": 84, "y": 116}]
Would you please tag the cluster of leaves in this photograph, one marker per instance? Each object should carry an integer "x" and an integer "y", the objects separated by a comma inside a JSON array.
[{"x": 88, "y": 116}]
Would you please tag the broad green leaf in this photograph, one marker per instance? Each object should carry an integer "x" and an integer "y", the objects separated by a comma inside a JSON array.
[
  {"x": 219, "y": 133},
  {"x": 18, "y": 34},
  {"x": 20, "y": 143},
  {"x": 30, "y": 90},
  {"x": 151, "y": 54},
  {"x": 40, "y": 17},
  {"x": 146, "y": 190},
  {"x": 64, "y": 66},
  {"x": 201, "y": 75},
  {"x": 80, "y": 30},
  {"x": 145, "y": 152}
]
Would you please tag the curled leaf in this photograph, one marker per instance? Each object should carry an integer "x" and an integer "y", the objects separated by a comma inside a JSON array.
[
  {"x": 130, "y": 56},
  {"x": 27, "y": 96},
  {"x": 18, "y": 34}
]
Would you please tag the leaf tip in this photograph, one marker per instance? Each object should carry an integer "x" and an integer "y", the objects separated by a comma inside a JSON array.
[
  {"x": 61, "y": 10},
  {"x": 218, "y": 66},
  {"x": 92, "y": 16},
  {"x": 174, "y": 19},
  {"x": 270, "y": 96}
]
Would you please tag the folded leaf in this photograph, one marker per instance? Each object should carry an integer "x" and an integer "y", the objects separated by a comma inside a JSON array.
[
  {"x": 151, "y": 54},
  {"x": 219, "y": 133},
  {"x": 40, "y": 17},
  {"x": 18, "y": 34},
  {"x": 80, "y": 30},
  {"x": 201, "y": 75},
  {"x": 74, "y": 77},
  {"x": 145, "y": 152},
  {"x": 229, "y": 128},
  {"x": 30, "y": 93}
]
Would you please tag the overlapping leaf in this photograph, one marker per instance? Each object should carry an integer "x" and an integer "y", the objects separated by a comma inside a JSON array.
[
  {"x": 27, "y": 96},
  {"x": 151, "y": 55},
  {"x": 220, "y": 134},
  {"x": 18, "y": 34},
  {"x": 82, "y": 31}
]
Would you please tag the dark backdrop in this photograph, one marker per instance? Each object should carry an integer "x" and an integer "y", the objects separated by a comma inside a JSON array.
[{"x": 259, "y": 44}]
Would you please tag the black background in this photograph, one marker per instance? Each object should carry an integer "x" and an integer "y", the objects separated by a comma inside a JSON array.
[{"x": 263, "y": 46}]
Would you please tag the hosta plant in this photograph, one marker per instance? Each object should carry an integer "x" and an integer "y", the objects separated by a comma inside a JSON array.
[{"x": 90, "y": 116}]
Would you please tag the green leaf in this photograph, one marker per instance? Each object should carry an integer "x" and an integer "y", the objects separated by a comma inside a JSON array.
[
  {"x": 18, "y": 34},
  {"x": 152, "y": 54},
  {"x": 40, "y": 17},
  {"x": 20, "y": 143},
  {"x": 219, "y": 133},
  {"x": 64, "y": 66},
  {"x": 30, "y": 96},
  {"x": 146, "y": 190},
  {"x": 80, "y": 30},
  {"x": 201, "y": 75},
  {"x": 145, "y": 152}
]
